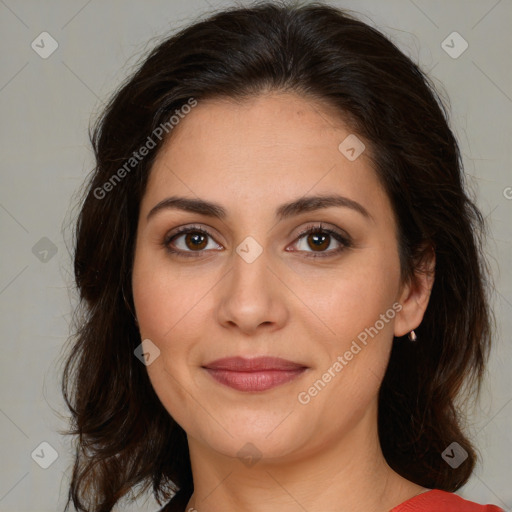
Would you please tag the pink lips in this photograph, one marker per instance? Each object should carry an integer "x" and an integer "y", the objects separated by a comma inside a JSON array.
[{"x": 256, "y": 374}]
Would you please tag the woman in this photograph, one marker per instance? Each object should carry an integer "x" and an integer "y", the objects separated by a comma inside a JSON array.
[{"x": 281, "y": 277}]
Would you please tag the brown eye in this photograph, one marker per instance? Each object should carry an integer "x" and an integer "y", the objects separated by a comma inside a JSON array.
[
  {"x": 188, "y": 241},
  {"x": 195, "y": 240},
  {"x": 318, "y": 239}
]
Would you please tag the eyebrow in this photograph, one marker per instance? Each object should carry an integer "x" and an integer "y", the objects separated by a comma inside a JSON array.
[{"x": 286, "y": 210}]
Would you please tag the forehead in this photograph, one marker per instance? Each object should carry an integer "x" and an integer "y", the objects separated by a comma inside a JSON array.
[
  {"x": 267, "y": 121},
  {"x": 275, "y": 145}
]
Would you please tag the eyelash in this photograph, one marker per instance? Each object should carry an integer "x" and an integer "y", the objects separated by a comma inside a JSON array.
[{"x": 315, "y": 229}]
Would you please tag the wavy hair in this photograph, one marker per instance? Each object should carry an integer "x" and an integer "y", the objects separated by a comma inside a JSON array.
[{"x": 124, "y": 435}]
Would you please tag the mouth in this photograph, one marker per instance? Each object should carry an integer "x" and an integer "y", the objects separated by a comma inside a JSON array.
[{"x": 256, "y": 374}]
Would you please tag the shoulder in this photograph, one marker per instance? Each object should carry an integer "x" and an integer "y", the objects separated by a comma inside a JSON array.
[{"x": 442, "y": 501}]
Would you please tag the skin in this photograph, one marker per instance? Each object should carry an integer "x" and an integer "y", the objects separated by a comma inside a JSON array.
[{"x": 250, "y": 157}]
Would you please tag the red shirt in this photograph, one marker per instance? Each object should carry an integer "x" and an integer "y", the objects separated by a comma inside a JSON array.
[
  {"x": 429, "y": 501},
  {"x": 442, "y": 501}
]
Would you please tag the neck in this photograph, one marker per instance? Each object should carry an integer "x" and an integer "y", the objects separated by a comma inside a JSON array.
[{"x": 349, "y": 474}]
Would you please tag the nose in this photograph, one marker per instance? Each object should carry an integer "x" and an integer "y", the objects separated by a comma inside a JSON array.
[{"x": 252, "y": 297}]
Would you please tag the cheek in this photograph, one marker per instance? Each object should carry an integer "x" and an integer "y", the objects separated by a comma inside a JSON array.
[
  {"x": 168, "y": 307},
  {"x": 161, "y": 308},
  {"x": 359, "y": 309},
  {"x": 161, "y": 295},
  {"x": 345, "y": 387},
  {"x": 353, "y": 296}
]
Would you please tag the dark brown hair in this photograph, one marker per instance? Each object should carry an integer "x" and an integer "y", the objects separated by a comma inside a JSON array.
[{"x": 126, "y": 438}]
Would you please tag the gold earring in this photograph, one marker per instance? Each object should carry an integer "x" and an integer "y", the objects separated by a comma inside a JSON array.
[{"x": 412, "y": 336}]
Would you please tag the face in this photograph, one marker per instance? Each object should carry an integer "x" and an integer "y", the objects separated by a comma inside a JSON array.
[{"x": 251, "y": 284}]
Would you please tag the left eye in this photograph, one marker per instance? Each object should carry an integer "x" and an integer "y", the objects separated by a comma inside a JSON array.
[
  {"x": 320, "y": 238},
  {"x": 196, "y": 241}
]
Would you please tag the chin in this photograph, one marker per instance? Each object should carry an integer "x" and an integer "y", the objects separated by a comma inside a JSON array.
[{"x": 254, "y": 435}]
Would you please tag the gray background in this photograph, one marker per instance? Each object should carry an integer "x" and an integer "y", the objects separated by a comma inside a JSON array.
[{"x": 45, "y": 108}]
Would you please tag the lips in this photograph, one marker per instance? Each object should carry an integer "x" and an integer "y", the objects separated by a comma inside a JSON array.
[{"x": 255, "y": 374}]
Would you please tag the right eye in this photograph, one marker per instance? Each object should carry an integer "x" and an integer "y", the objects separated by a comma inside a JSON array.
[{"x": 193, "y": 238}]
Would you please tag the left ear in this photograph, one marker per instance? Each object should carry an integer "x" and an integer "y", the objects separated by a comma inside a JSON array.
[{"x": 415, "y": 294}]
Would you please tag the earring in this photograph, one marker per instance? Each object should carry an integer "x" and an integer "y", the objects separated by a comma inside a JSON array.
[{"x": 412, "y": 336}]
